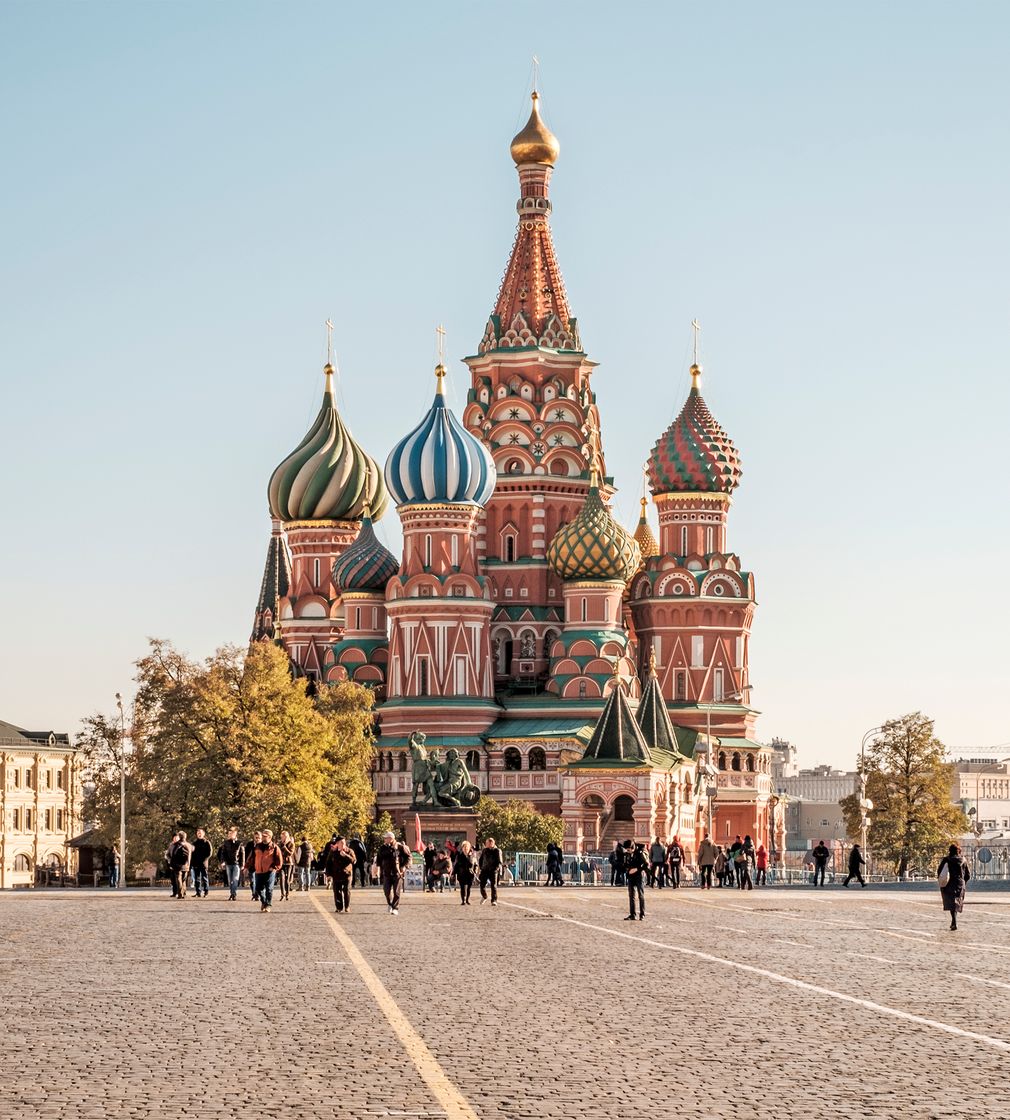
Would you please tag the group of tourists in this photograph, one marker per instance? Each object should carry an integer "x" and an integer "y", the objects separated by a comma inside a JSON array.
[
  {"x": 459, "y": 865},
  {"x": 270, "y": 867},
  {"x": 265, "y": 865}
]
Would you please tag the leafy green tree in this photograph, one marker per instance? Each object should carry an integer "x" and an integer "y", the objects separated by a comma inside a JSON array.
[
  {"x": 232, "y": 740},
  {"x": 517, "y": 826},
  {"x": 375, "y": 829},
  {"x": 907, "y": 779}
]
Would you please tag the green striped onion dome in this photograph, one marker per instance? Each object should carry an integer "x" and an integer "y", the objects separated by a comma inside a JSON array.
[
  {"x": 593, "y": 545},
  {"x": 694, "y": 453},
  {"x": 328, "y": 477},
  {"x": 367, "y": 565}
]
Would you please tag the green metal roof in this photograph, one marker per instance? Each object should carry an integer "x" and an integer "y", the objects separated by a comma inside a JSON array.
[
  {"x": 729, "y": 741},
  {"x": 430, "y": 741},
  {"x": 573, "y": 728}
]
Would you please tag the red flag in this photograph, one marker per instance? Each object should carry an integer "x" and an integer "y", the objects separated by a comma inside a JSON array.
[{"x": 419, "y": 843}]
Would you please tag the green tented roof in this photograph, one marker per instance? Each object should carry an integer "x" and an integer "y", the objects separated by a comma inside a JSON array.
[
  {"x": 729, "y": 741},
  {"x": 430, "y": 741}
]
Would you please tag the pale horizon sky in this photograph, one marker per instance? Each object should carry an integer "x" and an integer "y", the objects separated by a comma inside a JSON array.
[{"x": 193, "y": 189}]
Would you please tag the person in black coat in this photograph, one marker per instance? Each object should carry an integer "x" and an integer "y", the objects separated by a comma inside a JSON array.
[
  {"x": 958, "y": 875},
  {"x": 464, "y": 868},
  {"x": 636, "y": 866},
  {"x": 856, "y": 861}
]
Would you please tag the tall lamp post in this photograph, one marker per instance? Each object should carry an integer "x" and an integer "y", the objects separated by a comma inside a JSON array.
[
  {"x": 122, "y": 792},
  {"x": 865, "y": 805}
]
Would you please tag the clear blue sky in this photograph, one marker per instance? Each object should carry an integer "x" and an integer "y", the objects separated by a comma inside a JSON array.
[{"x": 191, "y": 189}]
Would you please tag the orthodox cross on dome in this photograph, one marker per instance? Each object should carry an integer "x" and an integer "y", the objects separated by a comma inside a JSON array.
[
  {"x": 440, "y": 343},
  {"x": 695, "y": 368},
  {"x": 329, "y": 342}
]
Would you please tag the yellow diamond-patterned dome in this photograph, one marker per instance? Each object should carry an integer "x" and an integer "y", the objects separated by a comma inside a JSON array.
[
  {"x": 593, "y": 545},
  {"x": 643, "y": 534}
]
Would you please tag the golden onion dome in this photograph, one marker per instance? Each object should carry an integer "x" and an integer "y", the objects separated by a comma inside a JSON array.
[
  {"x": 536, "y": 143},
  {"x": 593, "y": 545},
  {"x": 643, "y": 534}
]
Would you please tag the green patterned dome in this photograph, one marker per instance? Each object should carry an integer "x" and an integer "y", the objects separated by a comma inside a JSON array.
[
  {"x": 593, "y": 545},
  {"x": 328, "y": 477}
]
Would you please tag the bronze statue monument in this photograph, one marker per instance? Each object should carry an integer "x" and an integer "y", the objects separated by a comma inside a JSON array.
[{"x": 437, "y": 783}]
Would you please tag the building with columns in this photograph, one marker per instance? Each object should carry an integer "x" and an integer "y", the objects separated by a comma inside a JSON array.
[{"x": 522, "y": 623}]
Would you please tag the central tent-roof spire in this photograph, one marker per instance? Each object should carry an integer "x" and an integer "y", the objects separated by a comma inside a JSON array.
[{"x": 532, "y": 310}]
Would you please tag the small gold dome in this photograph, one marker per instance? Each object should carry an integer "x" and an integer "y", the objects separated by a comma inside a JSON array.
[{"x": 536, "y": 143}]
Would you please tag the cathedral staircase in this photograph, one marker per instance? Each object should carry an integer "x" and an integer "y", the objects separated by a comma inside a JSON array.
[{"x": 616, "y": 832}]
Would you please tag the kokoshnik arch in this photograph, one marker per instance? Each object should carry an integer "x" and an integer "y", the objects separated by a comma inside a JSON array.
[{"x": 598, "y": 673}]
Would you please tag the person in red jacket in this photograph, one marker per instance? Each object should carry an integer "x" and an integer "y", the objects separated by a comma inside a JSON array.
[
  {"x": 761, "y": 866},
  {"x": 263, "y": 863}
]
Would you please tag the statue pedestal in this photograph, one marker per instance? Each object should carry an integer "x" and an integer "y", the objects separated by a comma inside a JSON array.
[{"x": 439, "y": 825}]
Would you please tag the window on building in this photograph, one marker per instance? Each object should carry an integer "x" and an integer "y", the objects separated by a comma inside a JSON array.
[
  {"x": 717, "y": 686},
  {"x": 422, "y": 676},
  {"x": 28, "y": 778},
  {"x": 473, "y": 761},
  {"x": 722, "y": 760},
  {"x": 17, "y": 779},
  {"x": 427, "y": 550},
  {"x": 28, "y": 820},
  {"x": 736, "y": 760},
  {"x": 680, "y": 684},
  {"x": 459, "y": 669},
  {"x": 402, "y": 761},
  {"x": 49, "y": 779},
  {"x": 585, "y": 609},
  {"x": 697, "y": 651},
  {"x": 513, "y": 759},
  {"x": 59, "y": 820},
  {"x": 537, "y": 759},
  {"x": 709, "y": 540},
  {"x": 750, "y": 763},
  {"x": 22, "y": 863},
  {"x": 606, "y": 610},
  {"x": 624, "y": 808},
  {"x": 316, "y": 573},
  {"x": 683, "y": 541},
  {"x": 15, "y": 820},
  {"x": 49, "y": 820},
  {"x": 510, "y": 549},
  {"x": 454, "y": 550},
  {"x": 59, "y": 779}
]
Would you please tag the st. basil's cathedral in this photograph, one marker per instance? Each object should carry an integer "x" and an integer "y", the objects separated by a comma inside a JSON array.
[{"x": 600, "y": 674}]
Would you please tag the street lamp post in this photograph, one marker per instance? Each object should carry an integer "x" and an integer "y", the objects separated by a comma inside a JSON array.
[
  {"x": 864, "y": 805},
  {"x": 122, "y": 793}
]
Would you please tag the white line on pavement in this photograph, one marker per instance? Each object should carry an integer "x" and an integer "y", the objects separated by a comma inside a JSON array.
[
  {"x": 982, "y": 980},
  {"x": 795, "y": 944},
  {"x": 871, "y": 957},
  {"x": 778, "y": 978}
]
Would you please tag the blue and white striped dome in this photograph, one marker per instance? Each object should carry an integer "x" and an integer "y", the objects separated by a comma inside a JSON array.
[{"x": 440, "y": 461}]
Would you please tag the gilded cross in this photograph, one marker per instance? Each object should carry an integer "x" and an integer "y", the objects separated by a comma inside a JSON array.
[
  {"x": 696, "y": 327},
  {"x": 440, "y": 343},
  {"x": 329, "y": 342}
]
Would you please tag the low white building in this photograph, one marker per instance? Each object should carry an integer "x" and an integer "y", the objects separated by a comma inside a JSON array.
[
  {"x": 981, "y": 786},
  {"x": 40, "y": 798}
]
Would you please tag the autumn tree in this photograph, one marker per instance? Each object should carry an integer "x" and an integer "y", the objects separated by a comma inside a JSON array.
[
  {"x": 909, "y": 782},
  {"x": 232, "y": 740},
  {"x": 517, "y": 826}
]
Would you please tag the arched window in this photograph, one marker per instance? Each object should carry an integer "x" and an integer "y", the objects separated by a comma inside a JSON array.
[
  {"x": 510, "y": 549},
  {"x": 736, "y": 760},
  {"x": 513, "y": 759},
  {"x": 22, "y": 863},
  {"x": 389, "y": 760},
  {"x": 750, "y": 763},
  {"x": 624, "y": 808},
  {"x": 379, "y": 761},
  {"x": 722, "y": 760},
  {"x": 537, "y": 759},
  {"x": 402, "y": 761},
  {"x": 473, "y": 761}
]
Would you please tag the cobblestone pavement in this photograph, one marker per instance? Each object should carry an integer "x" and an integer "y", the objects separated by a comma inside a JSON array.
[{"x": 792, "y": 1004}]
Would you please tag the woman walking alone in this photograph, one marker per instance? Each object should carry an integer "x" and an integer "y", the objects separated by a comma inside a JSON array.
[
  {"x": 464, "y": 867},
  {"x": 952, "y": 891}
]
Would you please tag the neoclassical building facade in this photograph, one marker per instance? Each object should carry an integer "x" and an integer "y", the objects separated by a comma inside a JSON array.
[
  {"x": 40, "y": 798},
  {"x": 521, "y": 616}
]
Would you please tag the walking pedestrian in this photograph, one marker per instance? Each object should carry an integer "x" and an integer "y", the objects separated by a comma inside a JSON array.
[
  {"x": 392, "y": 857},
  {"x": 615, "y": 859},
  {"x": 820, "y": 854},
  {"x": 657, "y": 864},
  {"x": 952, "y": 884},
  {"x": 429, "y": 862},
  {"x": 340, "y": 862},
  {"x": 636, "y": 865},
  {"x": 231, "y": 857},
  {"x": 490, "y": 869},
  {"x": 304, "y": 856},
  {"x": 856, "y": 861},
  {"x": 115, "y": 866},
  {"x": 178, "y": 860},
  {"x": 257, "y": 839},
  {"x": 464, "y": 868},
  {"x": 707, "y": 853},
  {"x": 742, "y": 867},
  {"x": 357, "y": 846},
  {"x": 200, "y": 861},
  {"x": 674, "y": 860},
  {"x": 286, "y": 844},
  {"x": 555, "y": 860},
  {"x": 721, "y": 863},
  {"x": 263, "y": 862},
  {"x": 761, "y": 866}
]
